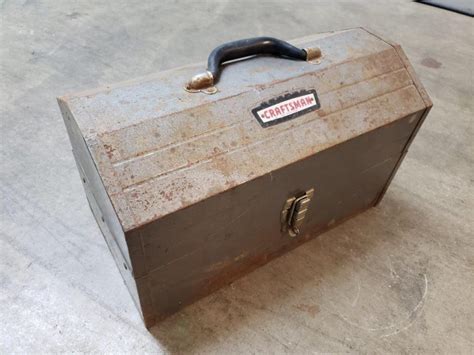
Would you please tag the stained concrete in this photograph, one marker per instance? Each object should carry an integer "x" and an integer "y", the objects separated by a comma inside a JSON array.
[{"x": 398, "y": 278}]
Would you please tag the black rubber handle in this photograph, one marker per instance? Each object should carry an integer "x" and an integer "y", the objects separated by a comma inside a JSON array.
[{"x": 251, "y": 46}]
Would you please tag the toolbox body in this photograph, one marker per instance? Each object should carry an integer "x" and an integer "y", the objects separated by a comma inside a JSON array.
[{"x": 193, "y": 190}]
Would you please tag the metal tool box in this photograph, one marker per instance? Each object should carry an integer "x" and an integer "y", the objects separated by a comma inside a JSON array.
[{"x": 198, "y": 176}]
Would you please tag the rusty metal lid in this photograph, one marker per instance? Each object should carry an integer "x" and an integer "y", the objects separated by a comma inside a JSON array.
[{"x": 159, "y": 148}]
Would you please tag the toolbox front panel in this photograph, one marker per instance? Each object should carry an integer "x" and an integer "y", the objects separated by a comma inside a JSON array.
[{"x": 206, "y": 245}]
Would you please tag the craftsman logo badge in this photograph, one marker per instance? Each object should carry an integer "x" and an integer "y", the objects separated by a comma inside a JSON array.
[{"x": 286, "y": 107}]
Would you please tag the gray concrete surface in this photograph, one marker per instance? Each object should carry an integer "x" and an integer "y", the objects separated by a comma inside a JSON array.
[{"x": 398, "y": 278}]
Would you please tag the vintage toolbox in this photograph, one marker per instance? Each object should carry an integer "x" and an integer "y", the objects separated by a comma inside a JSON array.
[{"x": 197, "y": 179}]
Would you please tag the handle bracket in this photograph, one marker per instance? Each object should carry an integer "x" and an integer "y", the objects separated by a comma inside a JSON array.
[{"x": 203, "y": 82}]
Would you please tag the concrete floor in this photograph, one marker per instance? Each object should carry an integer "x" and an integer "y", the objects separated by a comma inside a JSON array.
[{"x": 398, "y": 278}]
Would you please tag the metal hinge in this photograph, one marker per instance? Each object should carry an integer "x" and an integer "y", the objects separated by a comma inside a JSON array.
[{"x": 294, "y": 212}]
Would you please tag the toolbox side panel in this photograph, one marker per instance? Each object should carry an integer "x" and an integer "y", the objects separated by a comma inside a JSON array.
[
  {"x": 100, "y": 203},
  {"x": 200, "y": 248}
]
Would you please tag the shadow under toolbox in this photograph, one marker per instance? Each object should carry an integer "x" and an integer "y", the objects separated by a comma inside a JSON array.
[{"x": 195, "y": 180}]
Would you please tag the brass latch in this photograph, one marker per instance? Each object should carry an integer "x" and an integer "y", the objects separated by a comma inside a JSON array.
[{"x": 294, "y": 213}]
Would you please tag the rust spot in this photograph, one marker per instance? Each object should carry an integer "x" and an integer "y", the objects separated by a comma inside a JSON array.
[
  {"x": 168, "y": 195},
  {"x": 224, "y": 167},
  {"x": 109, "y": 150},
  {"x": 260, "y": 70},
  {"x": 230, "y": 183},
  {"x": 431, "y": 63},
  {"x": 312, "y": 310}
]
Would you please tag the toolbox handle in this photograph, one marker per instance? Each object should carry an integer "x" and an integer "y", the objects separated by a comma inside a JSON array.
[{"x": 204, "y": 82}]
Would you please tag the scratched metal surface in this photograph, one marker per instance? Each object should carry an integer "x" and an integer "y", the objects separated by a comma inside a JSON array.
[
  {"x": 397, "y": 279},
  {"x": 160, "y": 148}
]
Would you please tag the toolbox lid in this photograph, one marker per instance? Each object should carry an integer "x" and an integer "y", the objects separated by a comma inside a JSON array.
[{"x": 159, "y": 148}]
